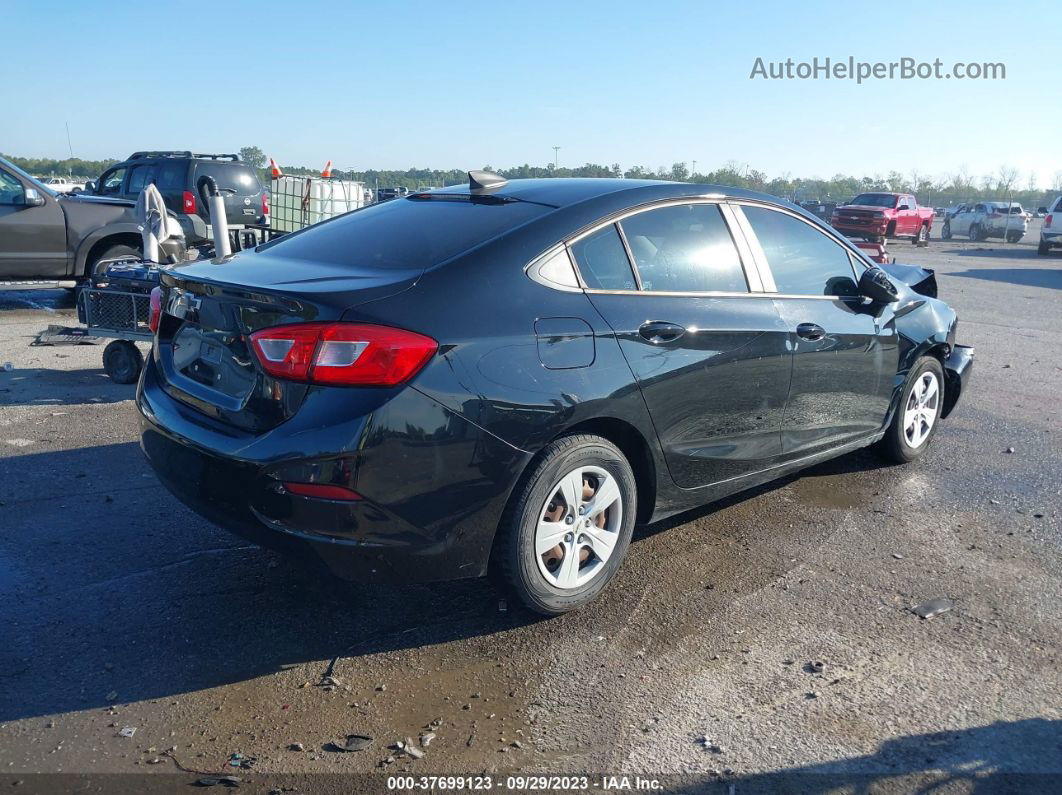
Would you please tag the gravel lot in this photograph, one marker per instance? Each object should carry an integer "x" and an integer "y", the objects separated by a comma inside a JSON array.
[{"x": 121, "y": 608}]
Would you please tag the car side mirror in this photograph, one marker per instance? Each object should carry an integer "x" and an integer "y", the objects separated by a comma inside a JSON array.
[
  {"x": 903, "y": 207},
  {"x": 33, "y": 198},
  {"x": 90, "y": 186},
  {"x": 876, "y": 285}
]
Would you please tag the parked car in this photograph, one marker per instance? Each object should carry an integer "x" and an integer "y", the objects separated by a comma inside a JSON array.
[
  {"x": 938, "y": 212},
  {"x": 985, "y": 220},
  {"x": 879, "y": 216},
  {"x": 1051, "y": 229},
  {"x": 61, "y": 184},
  {"x": 177, "y": 176},
  {"x": 46, "y": 235},
  {"x": 386, "y": 194},
  {"x": 1041, "y": 212},
  {"x": 508, "y": 376}
]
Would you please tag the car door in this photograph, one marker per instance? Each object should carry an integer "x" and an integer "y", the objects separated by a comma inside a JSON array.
[
  {"x": 960, "y": 222},
  {"x": 708, "y": 349},
  {"x": 32, "y": 238},
  {"x": 846, "y": 350},
  {"x": 910, "y": 215}
]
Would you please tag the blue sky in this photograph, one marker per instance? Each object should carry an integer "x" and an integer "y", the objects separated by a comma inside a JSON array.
[{"x": 463, "y": 84}]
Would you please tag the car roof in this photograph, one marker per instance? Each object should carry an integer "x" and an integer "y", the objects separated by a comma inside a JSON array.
[{"x": 568, "y": 191}]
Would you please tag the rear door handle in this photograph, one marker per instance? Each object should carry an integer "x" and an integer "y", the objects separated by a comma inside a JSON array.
[
  {"x": 810, "y": 331},
  {"x": 659, "y": 331}
]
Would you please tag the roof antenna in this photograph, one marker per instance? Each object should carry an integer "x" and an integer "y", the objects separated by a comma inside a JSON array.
[{"x": 484, "y": 181}]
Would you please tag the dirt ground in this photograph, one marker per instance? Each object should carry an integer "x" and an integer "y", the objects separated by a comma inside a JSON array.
[{"x": 763, "y": 643}]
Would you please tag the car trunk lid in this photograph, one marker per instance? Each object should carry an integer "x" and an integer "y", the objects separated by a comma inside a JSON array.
[
  {"x": 203, "y": 350},
  {"x": 240, "y": 190}
]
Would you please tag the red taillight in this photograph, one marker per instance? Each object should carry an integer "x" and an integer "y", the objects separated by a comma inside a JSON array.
[
  {"x": 188, "y": 202},
  {"x": 322, "y": 491},
  {"x": 1049, "y": 219},
  {"x": 155, "y": 313},
  {"x": 265, "y": 203},
  {"x": 346, "y": 354}
]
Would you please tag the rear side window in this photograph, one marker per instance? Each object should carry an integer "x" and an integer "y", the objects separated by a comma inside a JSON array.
[
  {"x": 685, "y": 248},
  {"x": 603, "y": 261},
  {"x": 404, "y": 233},
  {"x": 230, "y": 177},
  {"x": 803, "y": 260},
  {"x": 171, "y": 177}
]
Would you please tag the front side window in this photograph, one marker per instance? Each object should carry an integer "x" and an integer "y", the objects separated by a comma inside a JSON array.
[
  {"x": 603, "y": 261},
  {"x": 111, "y": 182},
  {"x": 684, "y": 248},
  {"x": 11, "y": 190},
  {"x": 803, "y": 260}
]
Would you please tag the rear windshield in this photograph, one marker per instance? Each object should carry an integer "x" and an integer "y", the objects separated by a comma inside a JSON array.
[
  {"x": 404, "y": 233},
  {"x": 875, "y": 200},
  {"x": 230, "y": 176}
]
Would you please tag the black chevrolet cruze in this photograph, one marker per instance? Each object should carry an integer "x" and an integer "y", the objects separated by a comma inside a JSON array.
[{"x": 510, "y": 376}]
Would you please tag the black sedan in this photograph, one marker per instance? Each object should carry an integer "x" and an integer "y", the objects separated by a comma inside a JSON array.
[{"x": 510, "y": 376}]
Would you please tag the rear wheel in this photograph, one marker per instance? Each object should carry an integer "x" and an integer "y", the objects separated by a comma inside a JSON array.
[
  {"x": 565, "y": 535},
  {"x": 119, "y": 251},
  {"x": 975, "y": 232},
  {"x": 921, "y": 238},
  {"x": 122, "y": 361},
  {"x": 1014, "y": 237},
  {"x": 1043, "y": 248},
  {"x": 916, "y": 418}
]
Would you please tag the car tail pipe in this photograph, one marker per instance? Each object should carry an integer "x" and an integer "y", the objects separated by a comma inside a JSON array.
[{"x": 219, "y": 223}]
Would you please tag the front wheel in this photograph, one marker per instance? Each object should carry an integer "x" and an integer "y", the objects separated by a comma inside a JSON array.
[
  {"x": 975, "y": 233},
  {"x": 915, "y": 421},
  {"x": 564, "y": 536}
]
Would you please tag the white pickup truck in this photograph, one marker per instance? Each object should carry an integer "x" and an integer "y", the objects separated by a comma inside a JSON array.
[
  {"x": 1051, "y": 231},
  {"x": 983, "y": 220},
  {"x": 62, "y": 184}
]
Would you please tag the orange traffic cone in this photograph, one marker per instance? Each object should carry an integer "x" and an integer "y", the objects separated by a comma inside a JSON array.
[
  {"x": 327, "y": 173},
  {"x": 274, "y": 169}
]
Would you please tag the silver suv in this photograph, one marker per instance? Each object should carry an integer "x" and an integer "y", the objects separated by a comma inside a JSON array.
[
  {"x": 983, "y": 220},
  {"x": 1051, "y": 231}
]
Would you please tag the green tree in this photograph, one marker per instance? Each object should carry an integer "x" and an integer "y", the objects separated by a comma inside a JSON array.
[{"x": 253, "y": 156}]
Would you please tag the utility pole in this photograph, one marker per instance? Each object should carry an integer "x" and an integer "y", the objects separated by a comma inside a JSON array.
[
  {"x": 694, "y": 169},
  {"x": 70, "y": 147},
  {"x": 556, "y": 149}
]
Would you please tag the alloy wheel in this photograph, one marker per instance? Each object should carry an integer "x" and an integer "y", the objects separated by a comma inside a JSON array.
[
  {"x": 920, "y": 413},
  {"x": 578, "y": 527}
]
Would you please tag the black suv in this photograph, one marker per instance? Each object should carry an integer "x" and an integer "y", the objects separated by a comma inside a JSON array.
[{"x": 177, "y": 175}]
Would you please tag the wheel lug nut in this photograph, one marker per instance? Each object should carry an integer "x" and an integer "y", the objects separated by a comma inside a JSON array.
[
  {"x": 568, "y": 537},
  {"x": 569, "y": 519},
  {"x": 582, "y": 510}
]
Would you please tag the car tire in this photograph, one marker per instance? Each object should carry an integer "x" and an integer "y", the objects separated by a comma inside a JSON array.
[
  {"x": 921, "y": 237},
  {"x": 122, "y": 361},
  {"x": 917, "y": 415},
  {"x": 112, "y": 252},
  {"x": 538, "y": 574},
  {"x": 1043, "y": 249},
  {"x": 1014, "y": 238},
  {"x": 945, "y": 232}
]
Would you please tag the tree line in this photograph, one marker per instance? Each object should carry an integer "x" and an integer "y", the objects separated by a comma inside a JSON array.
[{"x": 1003, "y": 184}]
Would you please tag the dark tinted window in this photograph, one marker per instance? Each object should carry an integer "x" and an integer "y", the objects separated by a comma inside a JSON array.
[
  {"x": 405, "y": 233},
  {"x": 685, "y": 248},
  {"x": 875, "y": 200},
  {"x": 111, "y": 182},
  {"x": 230, "y": 176},
  {"x": 11, "y": 190},
  {"x": 139, "y": 177},
  {"x": 804, "y": 260},
  {"x": 603, "y": 262},
  {"x": 171, "y": 177}
]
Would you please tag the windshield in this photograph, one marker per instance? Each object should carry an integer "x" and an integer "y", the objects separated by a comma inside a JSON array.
[
  {"x": 875, "y": 200},
  {"x": 36, "y": 182},
  {"x": 405, "y": 233}
]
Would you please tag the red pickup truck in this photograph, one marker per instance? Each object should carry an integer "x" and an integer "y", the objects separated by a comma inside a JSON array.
[{"x": 877, "y": 216}]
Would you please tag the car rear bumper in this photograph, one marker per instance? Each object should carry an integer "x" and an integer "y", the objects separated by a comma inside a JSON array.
[
  {"x": 957, "y": 370},
  {"x": 430, "y": 507},
  {"x": 1054, "y": 238}
]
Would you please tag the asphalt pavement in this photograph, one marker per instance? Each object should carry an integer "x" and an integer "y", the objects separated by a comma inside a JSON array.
[{"x": 761, "y": 641}]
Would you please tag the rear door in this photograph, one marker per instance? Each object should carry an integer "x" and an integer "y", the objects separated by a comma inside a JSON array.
[
  {"x": 846, "y": 350},
  {"x": 140, "y": 176},
  {"x": 239, "y": 186},
  {"x": 707, "y": 348}
]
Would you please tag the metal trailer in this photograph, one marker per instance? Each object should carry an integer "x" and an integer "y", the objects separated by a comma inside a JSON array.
[{"x": 117, "y": 304}]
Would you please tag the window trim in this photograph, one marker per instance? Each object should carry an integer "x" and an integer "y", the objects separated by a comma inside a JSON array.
[
  {"x": 747, "y": 265},
  {"x": 760, "y": 256}
]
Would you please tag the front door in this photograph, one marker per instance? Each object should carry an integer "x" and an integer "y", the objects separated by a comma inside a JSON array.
[
  {"x": 711, "y": 358},
  {"x": 846, "y": 350},
  {"x": 32, "y": 239}
]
